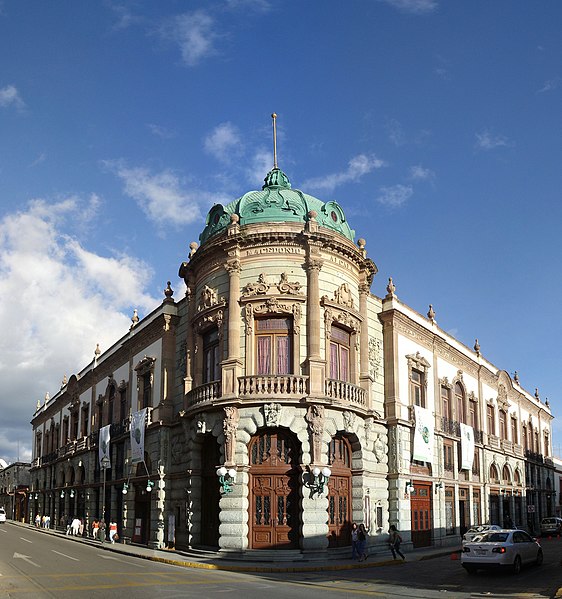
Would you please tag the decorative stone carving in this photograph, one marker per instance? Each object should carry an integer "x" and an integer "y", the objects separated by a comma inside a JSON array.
[
  {"x": 207, "y": 299},
  {"x": 393, "y": 459},
  {"x": 375, "y": 358},
  {"x": 502, "y": 396},
  {"x": 230, "y": 425},
  {"x": 369, "y": 422},
  {"x": 431, "y": 313},
  {"x": 349, "y": 421},
  {"x": 378, "y": 448},
  {"x": 315, "y": 419},
  {"x": 390, "y": 289},
  {"x": 259, "y": 288},
  {"x": 177, "y": 450},
  {"x": 232, "y": 266},
  {"x": 342, "y": 296},
  {"x": 477, "y": 347},
  {"x": 262, "y": 287},
  {"x": 272, "y": 414}
]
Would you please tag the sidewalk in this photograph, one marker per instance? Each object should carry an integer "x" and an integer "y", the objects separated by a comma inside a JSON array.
[{"x": 215, "y": 561}]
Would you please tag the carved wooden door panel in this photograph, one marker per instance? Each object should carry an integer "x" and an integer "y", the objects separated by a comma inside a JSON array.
[
  {"x": 210, "y": 493},
  {"x": 420, "y": 501},
  {"x": 274, "y": 497},
  {"x": 339, "y": 492}
]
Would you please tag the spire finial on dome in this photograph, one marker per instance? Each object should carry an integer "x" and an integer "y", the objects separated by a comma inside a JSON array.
[{"x": 274, "y": 118}]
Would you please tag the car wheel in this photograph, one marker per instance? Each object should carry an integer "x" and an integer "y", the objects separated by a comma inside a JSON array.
[
  {"x": 539, "y": 558},
  {"x": 517, "y": 565}
]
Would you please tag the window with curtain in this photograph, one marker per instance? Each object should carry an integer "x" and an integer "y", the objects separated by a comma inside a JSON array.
[
  {"x": 274, "y": 351},
  {"x": 503, "y": 425},
  {"x": 514, "y": 436},
  {"x": 211, "y": 356},
  {"x": 491, "y": 420},
  {"x": 340, "y": 344},
  {"x": 473, "y": 414}
]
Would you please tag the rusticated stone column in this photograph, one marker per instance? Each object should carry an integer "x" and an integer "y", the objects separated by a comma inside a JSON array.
[
  {"x": 316, "y": 365},
  {"x": 231, "y": 367}
]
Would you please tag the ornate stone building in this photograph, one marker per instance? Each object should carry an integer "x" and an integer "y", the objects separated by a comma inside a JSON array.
[{"x": 280, "y": 394}]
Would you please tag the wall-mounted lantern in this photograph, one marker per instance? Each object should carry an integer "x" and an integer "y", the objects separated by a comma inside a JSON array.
[
  {"x": 227, "y": 477},
  {"x": 316, "y": 479},
  {"x": 149, "y": 486},
  {"x": 409, "y": 487}
]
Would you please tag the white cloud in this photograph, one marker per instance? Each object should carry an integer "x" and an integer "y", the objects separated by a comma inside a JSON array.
[
  {"x": 485, "y": 140},
  {"x": 259, "y": 165},
  {"x": 550, "y": 85},
  {"x": 41, "y": 158},
  {"x": 261, "y": 6},
  {"x": 125, "y": 17},
  {"x": 194, "y": 33},
  {"x": 395, "y": 132},
  {"x": 419, "y": 173},
  {"x": 161, "y": 196},
  {"x": 416, "y": 7},
  {"x": 60, "y": 300},
  {"x": 358, "y": 167},
  {"x": 223, "y": 142},
  {"x": 160, "y": 131},
  {"x": 9, "y": 96},
  {"x": 395, "y": 195}
]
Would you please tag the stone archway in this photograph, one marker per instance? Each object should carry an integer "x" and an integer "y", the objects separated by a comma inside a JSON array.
[
  {"x": 339, "y": 492},
  {"x": 274, "y": 515}
]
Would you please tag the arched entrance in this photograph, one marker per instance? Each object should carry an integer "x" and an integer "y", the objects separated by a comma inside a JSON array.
[
  {"x": 210, "y": 494},
  {"x": 339, "y": 492},
  {"x": 274, "y": 480}
]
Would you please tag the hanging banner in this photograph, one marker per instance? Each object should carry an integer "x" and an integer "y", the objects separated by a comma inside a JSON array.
[
  {"x": 467, "y": 447},
  {"x": 138, "y": 424},
  {"x": 104, "y": 439},
  {"x": 423, "y": 435}
]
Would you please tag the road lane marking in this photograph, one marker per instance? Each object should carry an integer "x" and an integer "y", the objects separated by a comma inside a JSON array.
[
  {"x": 26, "y": 540},
  {"x": 25, "y": 558},
  {"x": 64, "y": 555}
]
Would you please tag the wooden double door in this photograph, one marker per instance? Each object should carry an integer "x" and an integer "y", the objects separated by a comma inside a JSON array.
[
  {"x": 274, "y": 498},
  {"x": 421, "y": 508}
]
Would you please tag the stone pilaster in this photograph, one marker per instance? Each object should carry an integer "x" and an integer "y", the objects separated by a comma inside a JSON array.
[
  {"x": 232, "y": 366},
  {"x": 316, "y": 365}
]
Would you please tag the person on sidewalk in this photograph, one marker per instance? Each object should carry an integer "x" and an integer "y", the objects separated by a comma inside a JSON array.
[
  {"x": 354, "y": 532},
  {"x": 112, "y": 531},
  {"x": 394, "y": 541},
  {"x": 101, "y": 532},
  {"x": 362, "y": 542},
  {"x": 38, "y": 521},
  {"x": 95, "y": 528}
]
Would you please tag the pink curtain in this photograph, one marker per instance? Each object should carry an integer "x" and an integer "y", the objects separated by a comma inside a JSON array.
[
  {"x": 264, "y": 355},
  {"x": 344, "y": 369},
  {"x": 283, "y": 355},
  {"x": 334, "y": 370}
]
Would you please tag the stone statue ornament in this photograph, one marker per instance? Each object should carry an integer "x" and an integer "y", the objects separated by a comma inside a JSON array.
[
  {"x": 230, "y": 426},
  {"x": 315, "y": 419},
  {"x": 272, "y": 414}
]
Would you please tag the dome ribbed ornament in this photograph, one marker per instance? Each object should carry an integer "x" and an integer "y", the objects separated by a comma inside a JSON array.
[{"x": 276, "y": 178}]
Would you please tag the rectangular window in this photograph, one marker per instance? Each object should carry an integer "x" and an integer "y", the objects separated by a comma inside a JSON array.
[
  {"x": 476, "y": 462},
  {"x": 525, "y": 438},
  {"x": 445, "y": 403},
  {"x": 472, "y": 414},
  {"x": 85, "y": 419},
  {"x": 122, "y": 404},
  {"x": 491, "y": 420},
  {"x": 475, "y": 507},
  {"x": 514, "y": 436},
  {"x": 448, "y": 455},
  {"x": 417, "y": 388},
  {"x": 340, "y": 343},
  {"x": 274, "y": 349},
  {"x": 503, "y": 425},
  {"x": 449, "y": 512},
  {"x": 146, "y": 398},
  {"x": 546, "y": 445},
  {"x": 211, "y": 357}
]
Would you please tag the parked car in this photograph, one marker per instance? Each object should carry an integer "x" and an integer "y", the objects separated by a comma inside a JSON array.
[
  {"x": 504, "y": 548},
  {"x": 478, "y": 530},
  {"x": 2, "y": 514},
  {"x": 551, "y": 525}
]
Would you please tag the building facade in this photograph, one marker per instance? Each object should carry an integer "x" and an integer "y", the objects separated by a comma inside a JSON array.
[
  {"x": 14, "y": 490},
  {"x": 281, "y": 397}
]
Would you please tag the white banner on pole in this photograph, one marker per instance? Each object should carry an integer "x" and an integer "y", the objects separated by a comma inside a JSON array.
[
  {"x": 138, "y": 424},
  {"x": 423, "y": 435},
  {"x": 467, "y": 446},
  {"x": 104, "y": 453}
]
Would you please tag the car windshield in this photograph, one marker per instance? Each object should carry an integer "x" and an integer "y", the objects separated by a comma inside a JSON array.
[{"x": 494, "y": 537}]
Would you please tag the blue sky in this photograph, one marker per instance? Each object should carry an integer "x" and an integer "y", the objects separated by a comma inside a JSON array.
[{"x": 436, "y": 125}]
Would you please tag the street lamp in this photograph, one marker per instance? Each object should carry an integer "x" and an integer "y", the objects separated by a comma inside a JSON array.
[{"x": 105, "y": 463}]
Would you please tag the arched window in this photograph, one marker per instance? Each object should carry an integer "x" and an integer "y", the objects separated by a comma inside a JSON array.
[
  {"x": 506, "y": 475},
  {"x": 273, "y": 345},
  {"x": 494, "y": 474},
  {"x": 340, "y": 349}
]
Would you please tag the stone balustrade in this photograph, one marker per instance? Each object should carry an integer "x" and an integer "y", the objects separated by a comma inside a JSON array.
[
  {"x": 204, "y": 393},
  {"x": 288, "y": 386},
  {"x": 346, "y": 392}
]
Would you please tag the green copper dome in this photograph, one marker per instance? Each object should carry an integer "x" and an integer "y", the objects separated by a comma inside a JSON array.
[{"x": 277, "y": 202}]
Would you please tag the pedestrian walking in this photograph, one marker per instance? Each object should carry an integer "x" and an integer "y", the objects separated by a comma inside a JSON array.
[
  {"x": 81, "y": 527},
  {"x": 68, "y": 526},
  {"x": 354, "y": 532},
  {"x": 112, "y": 531},
  {"x": 101, "y": 532},
  {"x": 47, "y": 521},
  {"x": 362, "y": 542},
  {"x": 95, "y": 529},
  {"x": 38, "y": 521},
  {"x": 394, "y": 541}
]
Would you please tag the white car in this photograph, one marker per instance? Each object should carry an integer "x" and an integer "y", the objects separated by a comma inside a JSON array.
[
  {"x": 478, "y": 530},
  {"x": 503, "y": 548},
  {"x": 2, "y": 514}
]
